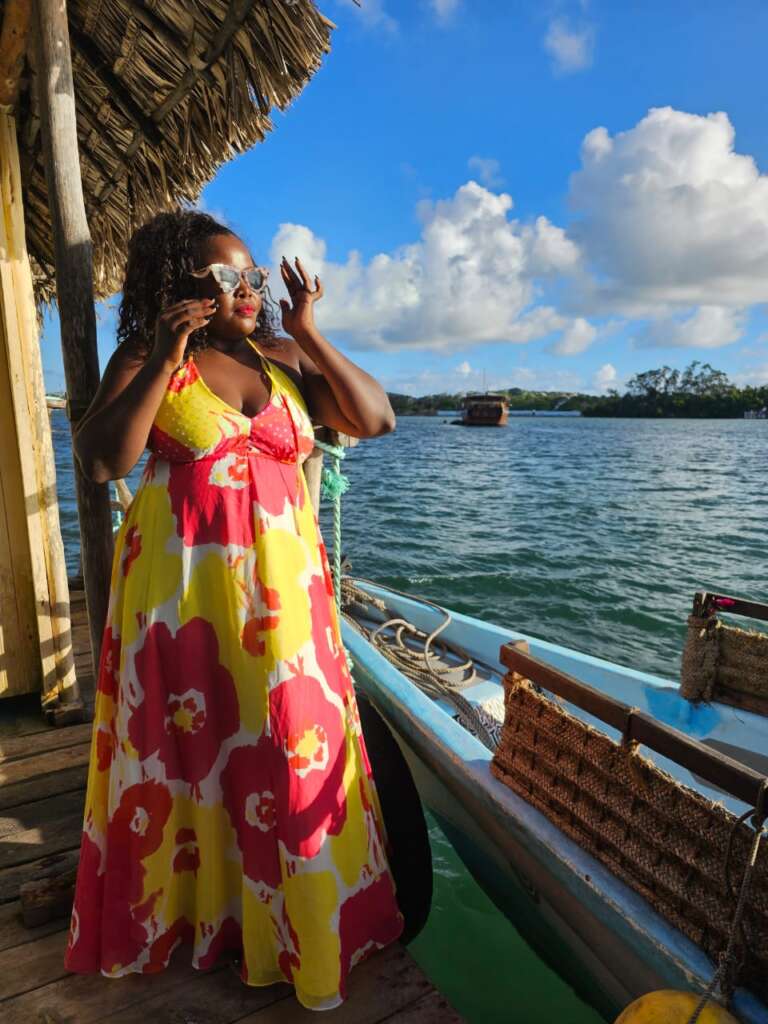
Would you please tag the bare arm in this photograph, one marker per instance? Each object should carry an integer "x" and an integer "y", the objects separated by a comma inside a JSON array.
[
  {"x": 114, "y": 431},
  {"x": 340, "y": 394}
]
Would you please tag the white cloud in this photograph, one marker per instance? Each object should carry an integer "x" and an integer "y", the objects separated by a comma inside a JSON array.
[
  {"x": 470, "y": 278},
  {"x": 444, "y": 9},
  {"x": 670, "y": 217},
  {"x": 488, "y": 170},
  {"x": 754, "y": 376},
  {"x": 605, "y": 378},
  {"x": 576, "y": 338},
  {"x": 464, "y": 369},
  {"x": 705, "y": 327},
  {"x": 571, "y": 49},
  {"x": 670, "y": 228}
]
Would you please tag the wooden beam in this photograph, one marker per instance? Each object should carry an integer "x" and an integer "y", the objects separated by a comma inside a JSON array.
[
  {"x": 13, "y": 46},
  {"x": 74, "y": 287},
  {"x": 39, "y": 530}
]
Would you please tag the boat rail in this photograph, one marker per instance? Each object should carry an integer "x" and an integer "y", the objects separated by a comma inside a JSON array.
[
  {"x": 706, "y": 603},
  {"x": 722, "y": 771}
]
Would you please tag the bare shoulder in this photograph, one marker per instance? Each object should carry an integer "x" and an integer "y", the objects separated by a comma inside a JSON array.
[{"x": 124, "y": 363}]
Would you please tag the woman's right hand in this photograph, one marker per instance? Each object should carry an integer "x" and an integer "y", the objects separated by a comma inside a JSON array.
[{"x": 174, "y": 326}]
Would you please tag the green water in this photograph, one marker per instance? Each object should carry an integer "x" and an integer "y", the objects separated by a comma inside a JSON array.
[
  {"x": 594, "y": 534},
  {"x": 477, "y": 959}
]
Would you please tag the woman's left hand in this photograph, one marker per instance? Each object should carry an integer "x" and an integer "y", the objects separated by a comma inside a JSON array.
[{"x": 298, "y": 314}]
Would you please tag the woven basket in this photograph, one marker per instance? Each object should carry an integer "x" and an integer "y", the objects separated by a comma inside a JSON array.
[
  {"x": 665, "y": 841},
  {"x": 722, "y": 662}
]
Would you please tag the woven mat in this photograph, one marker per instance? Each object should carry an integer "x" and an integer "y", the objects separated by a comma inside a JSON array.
[
  {"x": 665, "y": 841},
  {"x": 719, "y": 659}
]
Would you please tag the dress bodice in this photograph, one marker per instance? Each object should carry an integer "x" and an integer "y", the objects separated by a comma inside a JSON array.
[{"x": 194, "y": 423}]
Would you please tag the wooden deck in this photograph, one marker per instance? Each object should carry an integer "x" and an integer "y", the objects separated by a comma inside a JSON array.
[{"x": 42, "y": 787}]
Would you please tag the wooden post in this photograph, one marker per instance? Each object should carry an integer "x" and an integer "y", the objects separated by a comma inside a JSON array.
[
  {"x": 74, "y": 287},
  {"x": 35, "y": 629},
  {"x": 313, "y": 468}
]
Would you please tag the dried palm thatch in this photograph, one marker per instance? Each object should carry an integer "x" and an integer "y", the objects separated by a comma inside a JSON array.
[{"x": 166, "y": 92}]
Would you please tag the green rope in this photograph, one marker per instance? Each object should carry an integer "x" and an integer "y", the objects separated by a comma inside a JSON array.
[{"x": 333, "y": 483}]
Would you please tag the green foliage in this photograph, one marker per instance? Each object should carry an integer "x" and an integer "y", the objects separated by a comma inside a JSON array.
[{"x": 698, "y": 391}]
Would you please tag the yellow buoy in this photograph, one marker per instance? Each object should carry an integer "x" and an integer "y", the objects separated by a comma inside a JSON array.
[{"x": 670, "y": 1007}]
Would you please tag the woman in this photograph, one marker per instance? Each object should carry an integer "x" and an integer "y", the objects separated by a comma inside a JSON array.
[{"x": 230, "y": 802}]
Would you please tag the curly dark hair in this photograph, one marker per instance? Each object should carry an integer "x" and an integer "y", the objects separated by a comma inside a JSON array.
[{"x": 160, "y": 255}]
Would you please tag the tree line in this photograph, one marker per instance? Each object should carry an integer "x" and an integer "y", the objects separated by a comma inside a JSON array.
[{"x": 698, "y": 391}]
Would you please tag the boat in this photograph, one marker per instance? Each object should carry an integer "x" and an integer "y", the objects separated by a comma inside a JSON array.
[
  {"x": 484, "y": 410},
  {"x": 601, "y": 935}
]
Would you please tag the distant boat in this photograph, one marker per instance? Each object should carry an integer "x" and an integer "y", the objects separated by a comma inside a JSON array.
[{"x": 484, "y": 411}]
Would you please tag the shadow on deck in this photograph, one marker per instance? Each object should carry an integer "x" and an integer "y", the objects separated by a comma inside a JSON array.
[{"x": 43, "y": 772}]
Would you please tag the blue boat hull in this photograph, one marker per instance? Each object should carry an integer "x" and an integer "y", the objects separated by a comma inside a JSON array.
[{"x": 603, "y": 938}]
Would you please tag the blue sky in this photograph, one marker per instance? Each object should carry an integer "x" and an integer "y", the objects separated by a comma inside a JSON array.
[{"x": 554, "y": 195}]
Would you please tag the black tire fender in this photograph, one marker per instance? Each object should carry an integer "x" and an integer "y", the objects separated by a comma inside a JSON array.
[{"x": 409, "y": 852}]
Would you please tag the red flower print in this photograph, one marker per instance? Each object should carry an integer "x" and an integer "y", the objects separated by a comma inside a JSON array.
[
  {"x": 288, "y": 959},
  {"x": 250, "y": 803},
  {"x": 181, "y": 931},
  {"x": 131, "y": 548},
  {"x": 308, "y": 774},
  {"x": 107, "y": 930},
  {"x": 368, "y": 920},
  {"x": 109, "y": 668},
  {"x": 206, "y": 513},
  {"x": 187, "y": 857},
  {"x": 252, "y": 639},
  {"x": 190, "y": 702},
  {"x": 105, "y": 747},
  {"x": 229, "y": 938},
  {"x": 328, "y": 650}
]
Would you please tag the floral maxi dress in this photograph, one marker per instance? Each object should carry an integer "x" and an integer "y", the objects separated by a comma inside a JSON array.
[{"x": 230, "y": 802}]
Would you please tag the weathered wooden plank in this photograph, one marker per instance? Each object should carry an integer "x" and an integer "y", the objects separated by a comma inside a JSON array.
[
  {"x": 86, "y": 998},
  {"x": 13, "y": 45},
  {"x": 65, "y": 780},
  {"x": 53, "y": 761},
  {"x": 381, "y": 986},
  {"x": 22, "y": 716},
  {"x": 13, "y": 877},
  {"x": 13, "y": 931},
  {"x": 63, "y": 833},
  {"x": 41, "y": 574},
  {"x": 39, "y": 815},
  {"x": 31, "y": 965},
  {"x": 430, "y": 1009},
  {"x": 210, "y": 997},
  {"x": 51, "y": 739}
]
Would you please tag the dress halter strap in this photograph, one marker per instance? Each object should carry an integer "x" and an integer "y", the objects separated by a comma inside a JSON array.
[{"x": 265, "y": 364}]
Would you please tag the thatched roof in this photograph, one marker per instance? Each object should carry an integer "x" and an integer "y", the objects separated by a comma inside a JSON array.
[{"x": 166, "y": 92}]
